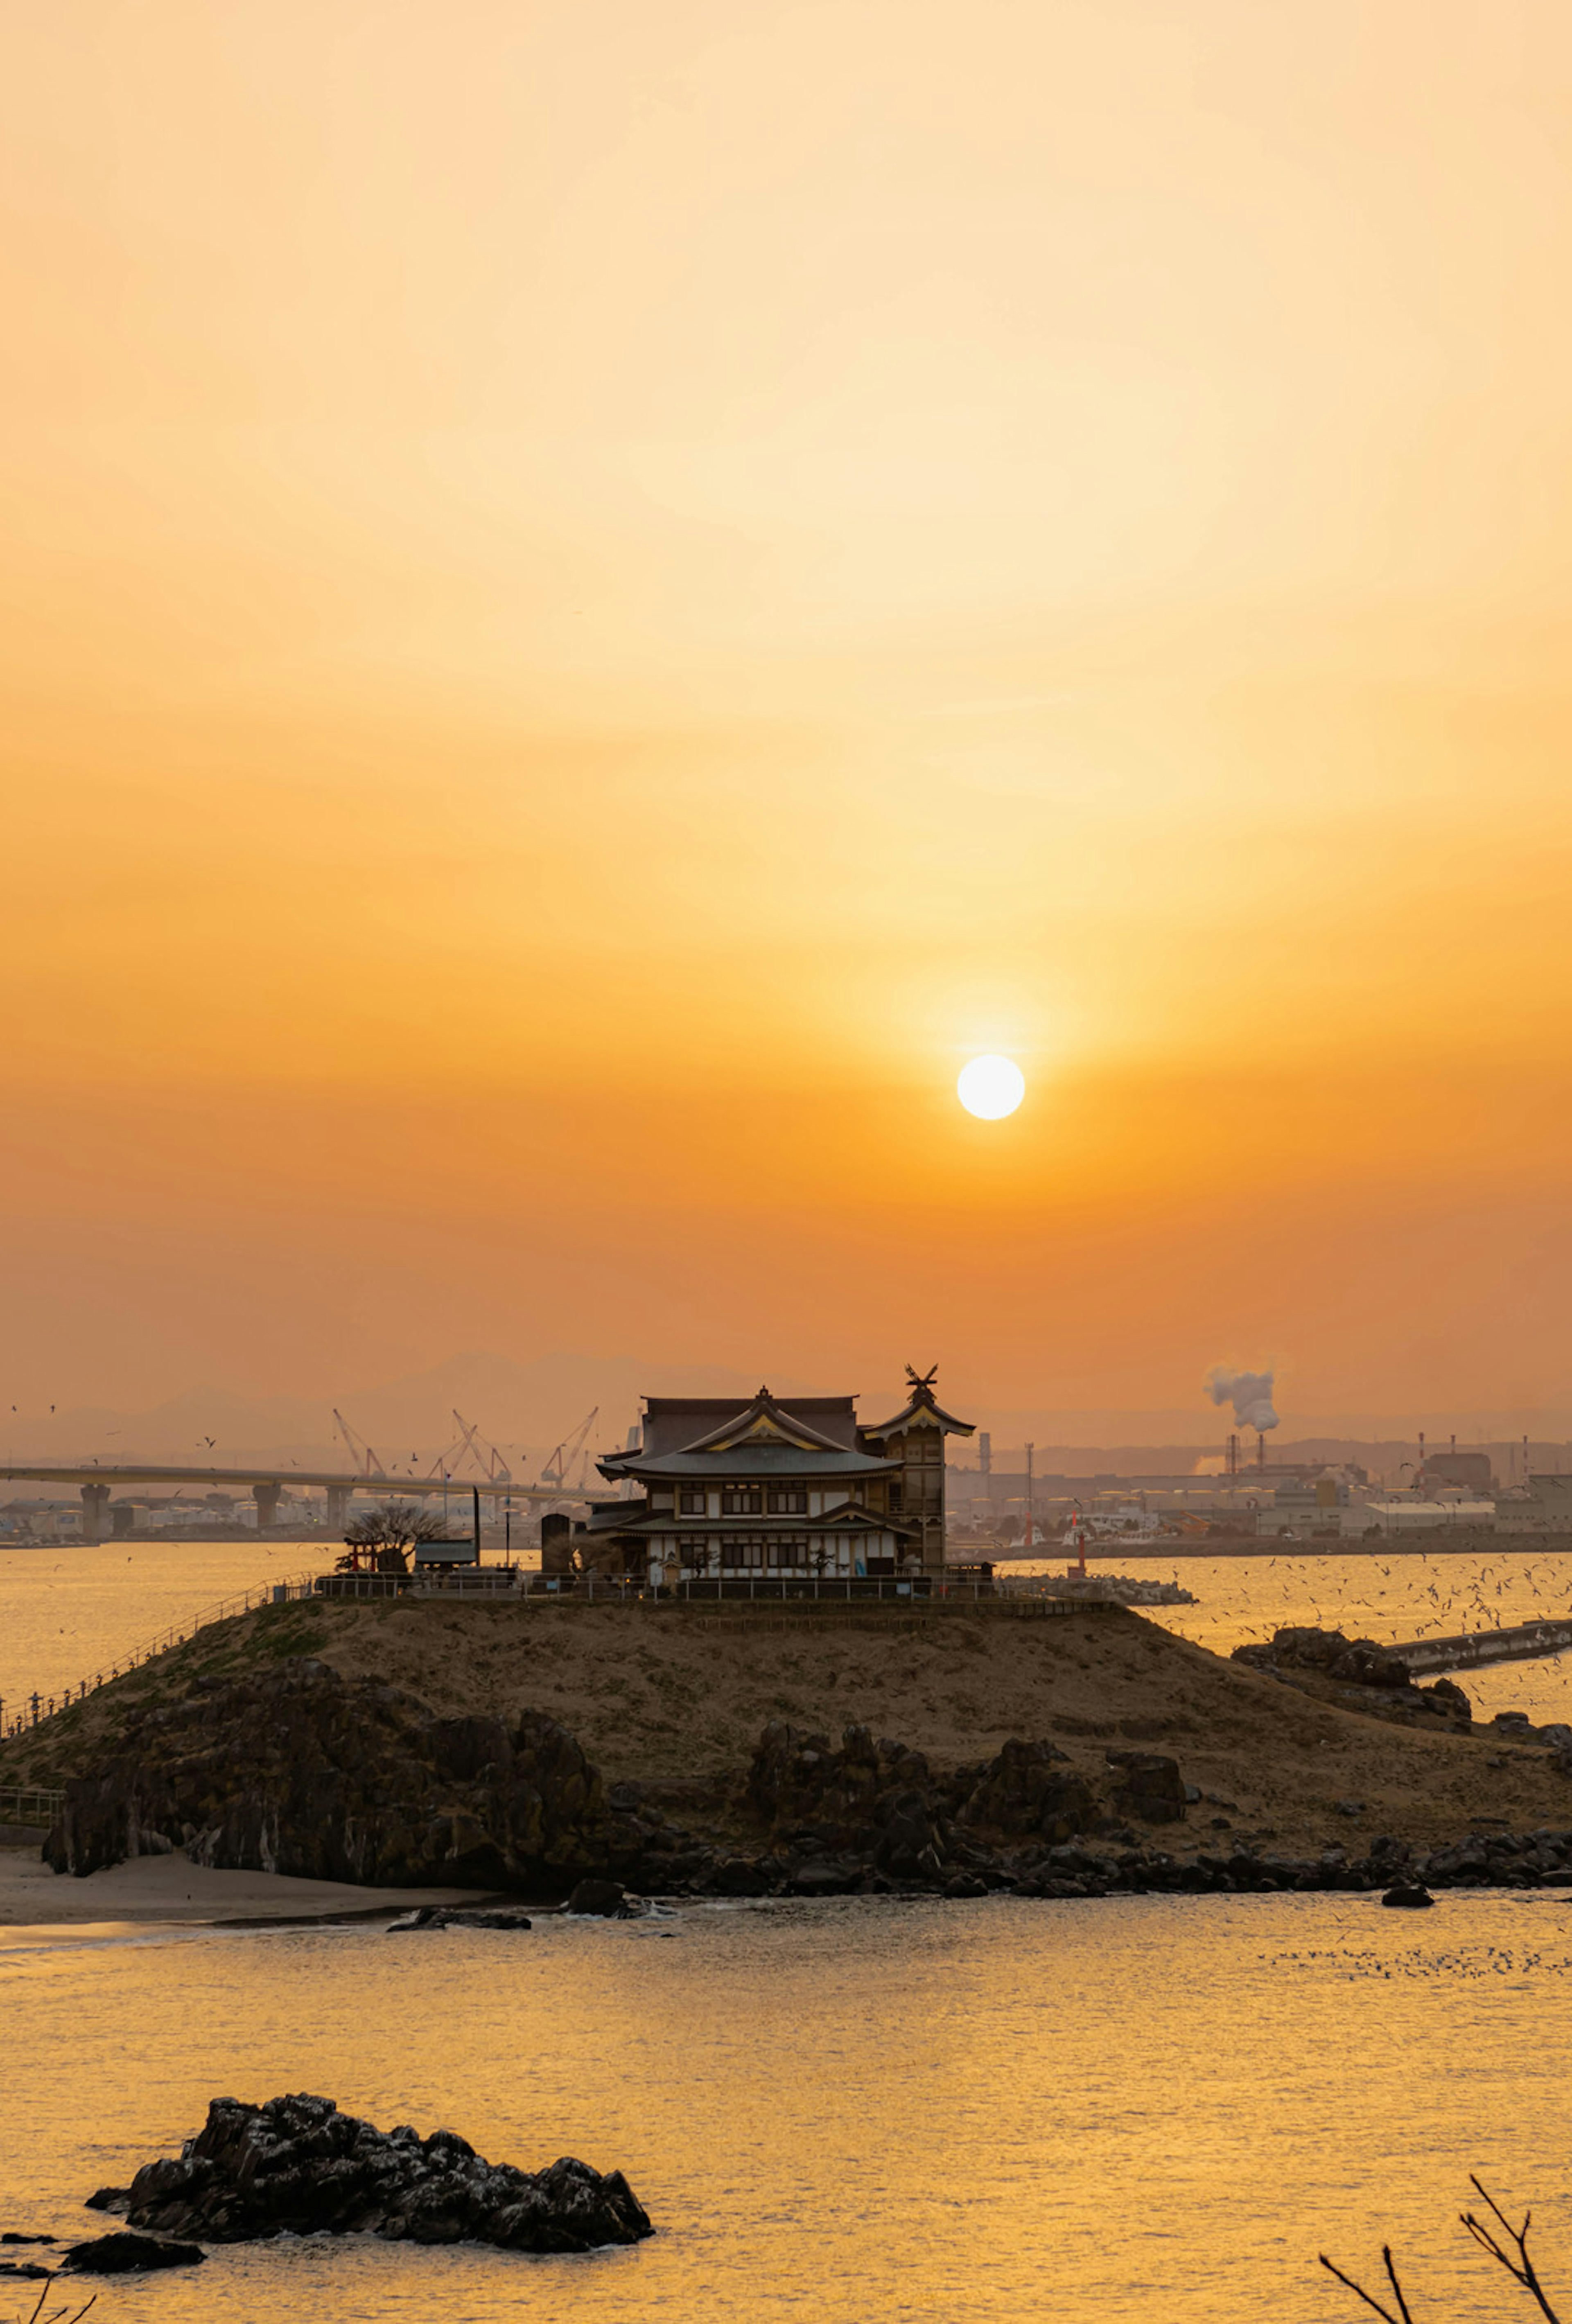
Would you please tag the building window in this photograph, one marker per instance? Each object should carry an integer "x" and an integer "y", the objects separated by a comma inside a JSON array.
[
  {"x": 690, "y": 1502},
  {"x": 788, "y": 1500},
  {"x": 742, "y": 1501},
  {"x": 742, "y": 1554},
  {"x": 788, "y": 1552}
]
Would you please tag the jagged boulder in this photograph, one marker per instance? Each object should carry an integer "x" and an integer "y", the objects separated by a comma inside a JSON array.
[
  {"x": 1358, "y": 1662},
  {"x": 1026, "y": 1793},
  {"x": 880, "y": 1806},
  {"x": 298, "y": 1770},
  {"x": 297, "y": 2166},
  {"x": 1150, "y": 1786}
]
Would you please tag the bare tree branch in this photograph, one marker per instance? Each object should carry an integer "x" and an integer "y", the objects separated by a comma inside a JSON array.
[
  {"x": 1522, "y": 2270},
  {"x": 1402, "y": 2316}
]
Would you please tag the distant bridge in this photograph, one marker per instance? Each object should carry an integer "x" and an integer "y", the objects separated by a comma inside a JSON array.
[{"x": 97, "y": 1480}]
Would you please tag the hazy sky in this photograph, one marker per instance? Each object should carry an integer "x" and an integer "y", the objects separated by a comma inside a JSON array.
[{"x": 597, "y": 594}]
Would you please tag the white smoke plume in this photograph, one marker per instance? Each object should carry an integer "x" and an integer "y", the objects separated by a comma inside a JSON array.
[{"x": 1249, "y": 1393}]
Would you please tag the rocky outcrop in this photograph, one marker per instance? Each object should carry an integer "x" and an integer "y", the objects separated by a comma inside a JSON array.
[
  {"x": 297, "y": 2166},
  {"x": 301, "y": 1771},
  {"x": 1026, "y": 1793},
  {"x": 876, "y": 1812},
  {"x": 1355, "y": 1665},
  {"x": 1150, "y": 1786},
  {"x": 1358, "y": 1662}
]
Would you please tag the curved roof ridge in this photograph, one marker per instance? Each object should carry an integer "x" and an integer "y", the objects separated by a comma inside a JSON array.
[{"x": 764, "y": 1416}]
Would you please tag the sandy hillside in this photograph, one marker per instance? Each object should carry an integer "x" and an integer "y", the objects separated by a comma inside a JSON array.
[{"x": 677, "y": 1693}]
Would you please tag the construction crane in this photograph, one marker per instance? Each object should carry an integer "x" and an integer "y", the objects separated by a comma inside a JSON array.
[
  {"x": 360, "y": 1451},
  {"x": 485, "y": 1454},
  {"x": 555, "y": 1471}
]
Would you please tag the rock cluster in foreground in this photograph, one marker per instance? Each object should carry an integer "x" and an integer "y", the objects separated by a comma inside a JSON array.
[{"x": 298, "y": 2166}]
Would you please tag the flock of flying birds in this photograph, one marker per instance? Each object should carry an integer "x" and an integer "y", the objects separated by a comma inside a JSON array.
[{"x": 1468, "y": 1592}]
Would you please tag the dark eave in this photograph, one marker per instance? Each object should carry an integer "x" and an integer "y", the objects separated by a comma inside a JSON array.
[
  {"x": 946, "y": 1421},
  {"x": 767, "y": 1462},
  {"x": 847, "y": 1519}
]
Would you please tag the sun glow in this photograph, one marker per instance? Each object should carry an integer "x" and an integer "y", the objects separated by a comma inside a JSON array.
[{"x": 990, "y": 1087}]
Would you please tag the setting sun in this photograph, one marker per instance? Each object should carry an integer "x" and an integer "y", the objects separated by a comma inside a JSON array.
[{"x": 990, "y": 1087}]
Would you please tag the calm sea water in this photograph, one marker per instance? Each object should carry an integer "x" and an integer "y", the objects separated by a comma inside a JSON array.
[
  {"x": 857, "y": 2111},
  {"x": 66, "y": 1612},
  {"x": 930, "y": 2113}
]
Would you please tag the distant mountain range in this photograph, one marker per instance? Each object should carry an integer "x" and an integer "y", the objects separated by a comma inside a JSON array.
[{"x": 527, "y": 1408}]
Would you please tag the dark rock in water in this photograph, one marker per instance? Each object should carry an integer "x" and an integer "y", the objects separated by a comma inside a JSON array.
[
  {"x": 823, "y": 1878},
  {"x": 109, "y": 2198},
  {"x": 965, "y": 1883},
  {"x": 603, "y": 1900},
  {"x": 460, "y": 1916},
  {"x": 25, "y": 2271},
  {"x": 301, "y": 1771},
  {"x": 742, "y": 1876},
  {"x": 298, "y": 2166},
  {"x": 123, "y": 2254},
  {"x": 11, "y": 2237},
  {"x": 1408, "y": 1895}
]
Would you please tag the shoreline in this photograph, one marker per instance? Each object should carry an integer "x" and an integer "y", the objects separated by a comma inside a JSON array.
[{"x": 166, "y": 1891}]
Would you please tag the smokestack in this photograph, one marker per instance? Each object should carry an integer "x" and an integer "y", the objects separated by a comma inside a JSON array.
[
  {"x": 1261, "y": 1451},
  {"x": 985, "y": 1451},
  {"x": 1234, "y": 1454}
]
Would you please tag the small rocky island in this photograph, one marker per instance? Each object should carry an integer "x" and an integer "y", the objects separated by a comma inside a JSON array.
[
  {"x": 1080, "y": 1751},
  {"x": 297, "y": 2166}
]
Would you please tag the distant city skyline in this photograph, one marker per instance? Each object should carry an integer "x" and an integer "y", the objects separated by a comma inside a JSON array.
[{"x": 533, "y": 1405}]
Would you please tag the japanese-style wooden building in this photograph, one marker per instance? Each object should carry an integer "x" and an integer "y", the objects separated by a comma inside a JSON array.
[{"x": 777, "y": 1487}]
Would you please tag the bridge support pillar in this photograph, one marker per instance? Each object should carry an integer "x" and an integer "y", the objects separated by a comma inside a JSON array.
[
  {"x": 95, "y": 1501},
  {"x": 266, "y": 1498},
  {"x": 339, "y": 1499}
]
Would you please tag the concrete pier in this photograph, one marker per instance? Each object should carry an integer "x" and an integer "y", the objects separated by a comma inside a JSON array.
[{"x": 1524, "y": 1642}]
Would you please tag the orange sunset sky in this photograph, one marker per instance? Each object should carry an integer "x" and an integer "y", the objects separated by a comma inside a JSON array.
[{"x": 599, "y": 592}]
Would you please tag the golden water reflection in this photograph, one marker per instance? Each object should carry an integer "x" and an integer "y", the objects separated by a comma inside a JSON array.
[{"x": 938, "y": 2113}]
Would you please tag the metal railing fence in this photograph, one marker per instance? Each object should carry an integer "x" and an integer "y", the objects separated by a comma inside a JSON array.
[
  {"x": 30, "y": 1804},
  {"x": 18, "y": 1713}
]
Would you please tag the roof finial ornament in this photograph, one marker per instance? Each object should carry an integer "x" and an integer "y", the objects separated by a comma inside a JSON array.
[{"x": 922, "y": 1380}]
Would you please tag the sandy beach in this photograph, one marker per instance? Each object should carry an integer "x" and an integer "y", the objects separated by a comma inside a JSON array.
[{"x": 166, "y": 1888}]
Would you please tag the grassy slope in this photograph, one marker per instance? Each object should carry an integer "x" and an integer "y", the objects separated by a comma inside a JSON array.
[{"x": 673, "y": 1694}]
